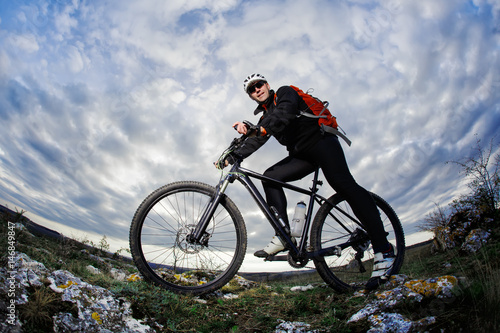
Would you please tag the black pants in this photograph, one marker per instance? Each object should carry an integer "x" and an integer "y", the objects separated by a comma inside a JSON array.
[{"x": 328, "y": 154}]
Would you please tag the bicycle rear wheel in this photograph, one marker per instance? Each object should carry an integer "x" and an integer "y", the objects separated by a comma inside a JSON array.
[
  {"x": 336, "y": 224},
  {"x": 159, "y": 245}
]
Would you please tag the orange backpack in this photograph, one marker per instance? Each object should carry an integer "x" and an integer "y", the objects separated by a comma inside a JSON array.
[{"x": 319, "y": 109}]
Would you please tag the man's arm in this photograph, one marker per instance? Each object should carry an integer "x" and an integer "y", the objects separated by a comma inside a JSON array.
[{"x": 286, "y": 110}]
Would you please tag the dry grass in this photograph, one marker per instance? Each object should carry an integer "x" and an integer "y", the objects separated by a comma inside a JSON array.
[{"x": 37, "y": 313}]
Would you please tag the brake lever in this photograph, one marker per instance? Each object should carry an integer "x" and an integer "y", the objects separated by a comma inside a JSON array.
[
  {"x": 252, "y": 130},
  {"x": 248, "y": 124}
]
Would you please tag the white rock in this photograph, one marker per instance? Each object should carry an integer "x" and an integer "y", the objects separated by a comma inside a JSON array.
[
  {"x": 302, "y": 288},
  {"x": 230, "y": 296},
  {"x": 93, "y": 270},
  {"x": 118, "y": 274},
  {"x": 293, "y": 327}
]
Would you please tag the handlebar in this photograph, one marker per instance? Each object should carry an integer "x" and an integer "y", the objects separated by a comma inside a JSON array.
[
  {"x": 251, "y": 128},
  {"x": 251, "y": 131}
]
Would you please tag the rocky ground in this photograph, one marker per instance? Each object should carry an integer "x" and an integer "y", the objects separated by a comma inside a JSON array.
[
  {"x": 95, "y": 309},
  {"x": 85, "y": 307}
]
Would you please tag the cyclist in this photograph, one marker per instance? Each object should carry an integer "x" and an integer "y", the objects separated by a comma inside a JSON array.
[{"x": 308, "y": 148}]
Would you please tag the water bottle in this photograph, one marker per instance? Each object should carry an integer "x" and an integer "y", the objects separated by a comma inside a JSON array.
[{"x": 299, "y": 218}]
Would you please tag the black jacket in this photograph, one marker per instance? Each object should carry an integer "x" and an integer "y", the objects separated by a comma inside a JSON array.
[{"x": 282, "y": 120}]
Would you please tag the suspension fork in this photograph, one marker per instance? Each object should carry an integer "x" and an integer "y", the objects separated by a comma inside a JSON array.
[{"x": 198, "y": 235}]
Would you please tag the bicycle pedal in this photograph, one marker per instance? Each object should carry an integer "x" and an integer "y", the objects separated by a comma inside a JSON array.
[{"x": 275, "y": 257}]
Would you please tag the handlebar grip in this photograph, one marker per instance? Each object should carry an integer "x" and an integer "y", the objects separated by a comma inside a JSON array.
[
  {"x": 248, "y": 124},
  {"x": 250, "y": 127}
]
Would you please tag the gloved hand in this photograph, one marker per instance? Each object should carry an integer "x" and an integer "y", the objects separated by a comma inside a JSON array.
[{"x": 247, "y": 128}]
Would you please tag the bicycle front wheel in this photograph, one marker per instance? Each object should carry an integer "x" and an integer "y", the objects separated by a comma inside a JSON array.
[
  {"x": 336, "y": 225},
  {"x": 159, "y": 239}
]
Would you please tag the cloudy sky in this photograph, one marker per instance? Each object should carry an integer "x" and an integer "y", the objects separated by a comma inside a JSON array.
[{"x": 101, "y": 102}]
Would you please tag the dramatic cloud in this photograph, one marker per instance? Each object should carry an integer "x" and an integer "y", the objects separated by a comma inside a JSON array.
[{"x": 102, "y": 102}]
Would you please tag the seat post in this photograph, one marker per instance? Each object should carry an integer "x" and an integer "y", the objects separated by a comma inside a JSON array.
[{"x": 316, "y": 182}]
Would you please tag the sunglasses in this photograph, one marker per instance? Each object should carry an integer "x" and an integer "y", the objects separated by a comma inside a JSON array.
[{"x": 258, "y": 85}]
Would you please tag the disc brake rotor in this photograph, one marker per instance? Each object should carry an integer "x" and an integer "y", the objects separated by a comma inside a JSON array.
[{"x": 183, "y": 244}]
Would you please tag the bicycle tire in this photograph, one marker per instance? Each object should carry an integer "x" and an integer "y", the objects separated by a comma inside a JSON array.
[
  {"x": 158, "y": 239},
  {"x": 343, "y": 273}
]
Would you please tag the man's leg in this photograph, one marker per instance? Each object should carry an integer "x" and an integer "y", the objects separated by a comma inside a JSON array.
[
  {"x": 288, "y": 169},
  {"x": 329, "y": 155}
]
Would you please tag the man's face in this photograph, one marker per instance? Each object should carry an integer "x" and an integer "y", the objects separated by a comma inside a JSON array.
[{"x": 259, "y": 92}]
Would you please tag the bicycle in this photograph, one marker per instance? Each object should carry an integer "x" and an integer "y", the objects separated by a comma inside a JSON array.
[{"x": 190, "y": 238}]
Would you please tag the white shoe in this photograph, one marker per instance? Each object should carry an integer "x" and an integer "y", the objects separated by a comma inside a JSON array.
[
  {"x": 382, "y": 266},
  {"x": 272, "y": 248}
]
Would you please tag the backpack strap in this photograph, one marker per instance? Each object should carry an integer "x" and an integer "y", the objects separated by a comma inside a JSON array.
[
  {"x": 335, "y": 131},
  {"x": 311, "y": 115},
  {"x": 327, "y": 129}
]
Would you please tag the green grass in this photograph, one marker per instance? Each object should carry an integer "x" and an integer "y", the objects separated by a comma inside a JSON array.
[{"x": 475, "y": 306}]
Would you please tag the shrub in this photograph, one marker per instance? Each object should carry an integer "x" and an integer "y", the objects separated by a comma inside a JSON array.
[
  {"x": 482, "y": 171},
  {"x": 481, "y": 203}
]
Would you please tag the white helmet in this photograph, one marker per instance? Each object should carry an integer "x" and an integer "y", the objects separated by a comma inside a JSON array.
[{"x": 251, "y": 79}]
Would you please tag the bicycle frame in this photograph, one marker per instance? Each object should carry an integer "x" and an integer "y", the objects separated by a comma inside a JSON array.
[
  {"x": 195, "y": 230},
  {"x": 243, "y": 175}
]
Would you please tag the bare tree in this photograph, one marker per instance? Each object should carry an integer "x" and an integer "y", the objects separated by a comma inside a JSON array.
[{"x": 482, "y": 169}]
